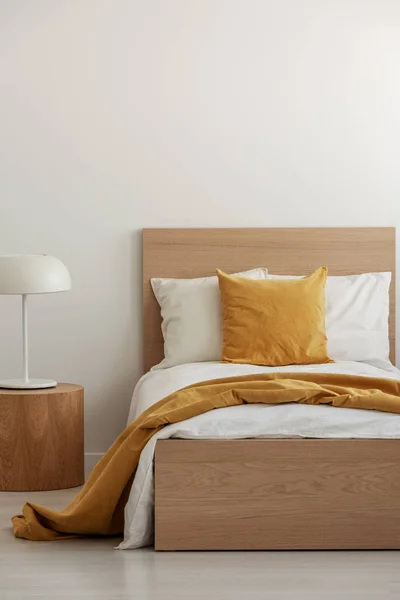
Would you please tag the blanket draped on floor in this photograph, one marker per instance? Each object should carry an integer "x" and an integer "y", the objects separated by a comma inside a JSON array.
[{"x": 98, "y": 509}]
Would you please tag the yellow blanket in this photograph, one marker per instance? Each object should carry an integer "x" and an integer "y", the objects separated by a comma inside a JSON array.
[{"x": 99, "y": 508}]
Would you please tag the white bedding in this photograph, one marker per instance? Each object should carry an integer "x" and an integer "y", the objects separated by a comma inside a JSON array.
[{"x": 247, "y": 421}]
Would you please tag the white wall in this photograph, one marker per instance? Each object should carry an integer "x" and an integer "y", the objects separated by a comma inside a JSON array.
[{"x": 122, "y": 114}]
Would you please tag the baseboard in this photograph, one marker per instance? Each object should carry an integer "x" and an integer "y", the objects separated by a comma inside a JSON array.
[{"x": 91, "y": 459}]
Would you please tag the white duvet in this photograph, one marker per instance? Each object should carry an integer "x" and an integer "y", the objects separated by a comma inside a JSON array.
[{"x": 247, "y": 421}]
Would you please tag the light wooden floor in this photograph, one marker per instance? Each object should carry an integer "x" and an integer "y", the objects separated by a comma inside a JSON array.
[{"x": 84, "y": 569}]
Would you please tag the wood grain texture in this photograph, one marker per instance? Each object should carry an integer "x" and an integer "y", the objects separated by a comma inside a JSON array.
[
  {"x": 41, "y": 438},
  {"x": 90, "y": 570},
  {"x": 277, "y": 494},
  {"x": 198, "y": 252}
]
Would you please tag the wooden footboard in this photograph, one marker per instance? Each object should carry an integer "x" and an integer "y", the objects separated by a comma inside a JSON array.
[{"x": 277, "y": 494}]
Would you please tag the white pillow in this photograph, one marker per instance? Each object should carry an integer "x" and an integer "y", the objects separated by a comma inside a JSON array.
[
  {"x": 192, "y": 318},
  {"x": 357, "y": 316}
]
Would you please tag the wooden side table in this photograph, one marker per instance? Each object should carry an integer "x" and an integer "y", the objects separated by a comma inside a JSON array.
[{"x": 41, "y": 438}]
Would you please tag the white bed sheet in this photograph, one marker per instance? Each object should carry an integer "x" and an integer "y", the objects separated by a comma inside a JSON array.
[{"x": 247, "y": 421}]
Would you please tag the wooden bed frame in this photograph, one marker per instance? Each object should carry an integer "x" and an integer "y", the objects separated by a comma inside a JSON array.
[{"x": 271, "y": 494}]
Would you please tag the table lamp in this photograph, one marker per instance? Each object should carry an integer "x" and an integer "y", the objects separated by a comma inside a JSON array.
[{"x": 25, "y": 274}]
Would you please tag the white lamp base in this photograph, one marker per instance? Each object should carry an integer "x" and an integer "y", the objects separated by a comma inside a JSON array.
[{"x": 32, "y": 384}]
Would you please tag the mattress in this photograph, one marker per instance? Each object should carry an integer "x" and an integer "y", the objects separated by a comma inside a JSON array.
[{"x": 245, "y": 421}]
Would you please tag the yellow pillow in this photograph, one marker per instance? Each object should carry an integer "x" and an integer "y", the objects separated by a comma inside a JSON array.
[{"x": 274, "y": 322}]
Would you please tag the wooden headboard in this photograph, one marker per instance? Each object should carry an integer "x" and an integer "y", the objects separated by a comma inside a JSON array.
[{"x": 198, "y": 252}]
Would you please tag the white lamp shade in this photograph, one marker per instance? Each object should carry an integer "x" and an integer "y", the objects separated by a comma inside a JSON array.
[{"x": 32, "y": 274}]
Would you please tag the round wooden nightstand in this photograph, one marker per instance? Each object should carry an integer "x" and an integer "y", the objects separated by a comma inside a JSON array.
[{"x": 41, "y": 438}]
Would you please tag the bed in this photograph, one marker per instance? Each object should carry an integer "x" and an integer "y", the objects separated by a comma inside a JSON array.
[{"x": 327, "y": 479}]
